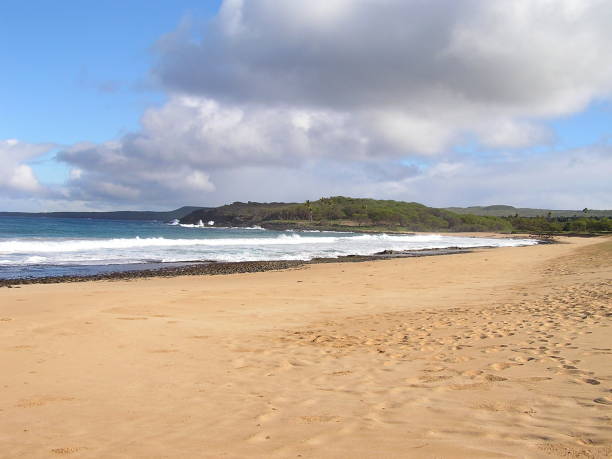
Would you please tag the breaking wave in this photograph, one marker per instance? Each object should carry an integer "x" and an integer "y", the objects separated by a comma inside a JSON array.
[{"x": 225, "y": 246}]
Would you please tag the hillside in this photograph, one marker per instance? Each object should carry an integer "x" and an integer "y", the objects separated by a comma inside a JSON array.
[
  {"x": 117, "y": 215},
  {"x": 343, "y": 213},
  {"x": 509, "y": 211}
]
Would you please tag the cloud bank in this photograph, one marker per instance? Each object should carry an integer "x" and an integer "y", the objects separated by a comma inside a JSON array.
[{"x": 292, "y": 100}]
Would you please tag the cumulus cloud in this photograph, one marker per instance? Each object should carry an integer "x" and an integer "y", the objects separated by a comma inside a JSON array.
[
  {"x": 421, "y": 73},
  {"x": 570, "y": 179},
  {"x": 292, "y": 99},
  {"x": 183, "y": 142},
  {"x": 17, "y": 177}
]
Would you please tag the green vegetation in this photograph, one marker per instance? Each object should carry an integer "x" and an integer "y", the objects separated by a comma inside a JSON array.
[
  {"x": 556, "y": 225},
  {"x": 348, "y": 213},
  {"x": 509, "y": 211},
  {"x": 344, "y": 214},
  {"x": 341, "y": 213}
]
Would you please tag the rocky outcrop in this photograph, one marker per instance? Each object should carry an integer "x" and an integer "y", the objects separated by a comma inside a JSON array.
[{"x": 235, "y": 214}]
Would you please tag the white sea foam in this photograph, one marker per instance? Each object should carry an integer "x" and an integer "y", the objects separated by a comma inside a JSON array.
[
  {"x": 188, "y": 225},
  {"x": 35, "y": 259},
  {"x": 77, "y": 245},
  {"x": 285, "y": 246}
]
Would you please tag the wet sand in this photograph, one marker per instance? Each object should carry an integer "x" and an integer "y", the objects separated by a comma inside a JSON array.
[{"x": 495, "y": 353}]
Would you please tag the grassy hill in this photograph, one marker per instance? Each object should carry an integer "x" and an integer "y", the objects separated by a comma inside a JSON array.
[{"x": 342, "y": 213}]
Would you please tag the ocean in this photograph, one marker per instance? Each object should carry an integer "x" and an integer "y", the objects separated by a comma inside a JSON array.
[{"x": 38, "y": 247}]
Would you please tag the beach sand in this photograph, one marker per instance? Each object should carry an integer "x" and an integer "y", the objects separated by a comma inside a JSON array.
[{"x": 497, "y": 353}]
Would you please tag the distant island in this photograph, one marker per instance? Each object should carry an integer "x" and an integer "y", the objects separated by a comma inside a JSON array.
[{"x": 116, "y": 215}]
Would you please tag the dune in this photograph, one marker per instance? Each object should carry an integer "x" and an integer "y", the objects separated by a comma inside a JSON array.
[{"x": 496, "y": 353}]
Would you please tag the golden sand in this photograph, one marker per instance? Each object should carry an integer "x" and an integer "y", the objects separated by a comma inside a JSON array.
[{"x": 498, "y": 353}]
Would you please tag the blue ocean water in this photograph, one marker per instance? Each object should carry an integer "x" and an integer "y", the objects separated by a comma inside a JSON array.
[{"x": 44, "y": 246}]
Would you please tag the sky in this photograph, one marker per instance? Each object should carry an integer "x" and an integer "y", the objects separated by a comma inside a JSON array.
[{"x": 156, "y": 104}]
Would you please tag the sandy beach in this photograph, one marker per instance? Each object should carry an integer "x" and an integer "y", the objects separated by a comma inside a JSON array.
[{"x": 497, "y": 353}]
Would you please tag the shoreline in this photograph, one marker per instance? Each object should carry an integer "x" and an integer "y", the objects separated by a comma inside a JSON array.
[
  {"x": 495, "y": 353},
  {"x": 131, "y": 271},
  {"x": 212, "y": 268}
]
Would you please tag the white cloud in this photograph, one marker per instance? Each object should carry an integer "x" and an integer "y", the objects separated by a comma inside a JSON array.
[
  {"x": 199, "y": 181},
  {"x": 425, "y": 73},
  {"x": 16, "y": 177},
  {"x": 292, "y": 100},
  {"x": 505, "y": 133},
  {"x": 571, "y": 179},
  {"x": 22, "y": 178}
]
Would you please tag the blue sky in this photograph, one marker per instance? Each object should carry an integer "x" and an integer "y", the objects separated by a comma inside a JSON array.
[
  {"x": 586, "y": 127},
  {"x": 79, "y": 70},
  {"x": 278, "y": 93}
]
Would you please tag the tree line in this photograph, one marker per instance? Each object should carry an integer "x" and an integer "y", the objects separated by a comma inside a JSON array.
[
  {"x": 341, "y": 211},
  {"x": 560, "y": 224}
]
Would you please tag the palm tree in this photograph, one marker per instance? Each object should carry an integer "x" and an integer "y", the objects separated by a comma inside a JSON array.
[{"x": 309, "y": 209}]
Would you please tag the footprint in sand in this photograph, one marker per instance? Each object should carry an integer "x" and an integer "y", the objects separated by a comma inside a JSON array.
[
  {"x": 500, "y": 366},
  {"x": 319, "y": 419},
  {"x": 472, "y": 386},
  {"x": 603, "y": 401},
  {"x": 68, "y": 450},
  {"x": 40, "y": 401},
  {"x": 493, "y": 378},
  {"x": 22, "y": 347},
  {"x": 436, "y": 378},
  {"x": 341, "y": 373}
]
